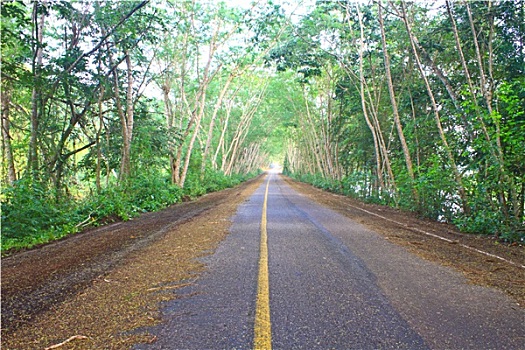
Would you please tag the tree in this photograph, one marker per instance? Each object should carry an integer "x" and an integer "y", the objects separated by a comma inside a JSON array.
[{"x": 395, "y": 110}]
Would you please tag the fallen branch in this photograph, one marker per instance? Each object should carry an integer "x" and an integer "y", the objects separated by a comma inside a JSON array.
[
  {"x": 169, "y": 287},
  {"x": 89, "y": 218},
  {"x": 66, "y": 341},
  {"x": 85, "y": 222}
]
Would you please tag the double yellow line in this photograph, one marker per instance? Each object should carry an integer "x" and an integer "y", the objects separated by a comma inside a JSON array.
[{"x": 263, "y": 326}]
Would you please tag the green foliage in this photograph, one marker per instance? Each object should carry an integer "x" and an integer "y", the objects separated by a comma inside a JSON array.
[
  {"x": 140, "y": 194},
  {"x": 484, "y": 220},
  {"x": 15, "y": 44},
  {"x": 31, "y": 215},
  {"x": 211, "y": 182},
  {"x": 436, "y": 188}
]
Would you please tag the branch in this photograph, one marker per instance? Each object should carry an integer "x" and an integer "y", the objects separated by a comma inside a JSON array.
[
  {"x": 103, "y": 40},
  {"x": 67, "y": 155},
  {"x": 65, "y": 342}
]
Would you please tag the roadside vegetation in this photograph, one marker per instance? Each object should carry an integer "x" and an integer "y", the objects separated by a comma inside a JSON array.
[
  {"x": 32, "y": 216},
  {"x": 113, "y": 108},
  {"x": 415, "y": 105}
]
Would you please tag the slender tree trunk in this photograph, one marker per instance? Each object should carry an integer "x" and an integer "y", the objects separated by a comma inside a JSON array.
[
  {"x": 311, "y": 136},
  {"x": 379, "y": 170},
  {"x": 469, "y": 79},
  {"x": 176, "y": 149},
  {"x": 414, "y": 120},
  {"x": 212, "y": 121},
  {"x": 448, "y": 86},
  {"x": 240, "y": 135},
  {"x": 373, "y": 102},
  {"x": 220, "y": 145},
  {"x": 6, "y": 135},
  {"x": 521, "y": 206},
  {"x": 192, "y": 141},
  {"x": 99, "y": 146},
  {"x": 484, "y": 87},
  {"x": 128, "y": 121},
  {"x": 326, "y": 132},
  {"x": 457, "y": 175},
  {"x": 126, "y": 118},
  {"x": 168, "y": 110},
  {"x": 36, "y": 96},
  {"x": 397, "y": 120},
  {"x": 381, "y": 140},
  {"x": 108, "y": 146}
]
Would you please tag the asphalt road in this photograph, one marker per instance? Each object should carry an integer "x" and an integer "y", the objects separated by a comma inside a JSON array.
[{"x": 333, "y": 284}]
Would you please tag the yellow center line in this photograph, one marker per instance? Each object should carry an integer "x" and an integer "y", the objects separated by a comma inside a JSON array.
[{"x": 263, "y": 326}]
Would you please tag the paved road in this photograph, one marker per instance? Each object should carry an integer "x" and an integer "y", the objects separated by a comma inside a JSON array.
[{"x": 333, "y": 285}]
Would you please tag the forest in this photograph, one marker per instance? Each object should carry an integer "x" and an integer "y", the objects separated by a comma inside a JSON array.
[{"x": 114, "y": 108}]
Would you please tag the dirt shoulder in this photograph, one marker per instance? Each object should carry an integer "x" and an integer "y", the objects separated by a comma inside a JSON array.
[
  {"x": 105, "y": 283},
  {"x": 478, "y": 268}
]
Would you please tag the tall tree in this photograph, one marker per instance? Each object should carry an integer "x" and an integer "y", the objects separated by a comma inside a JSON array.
[{"x": 395, "y": 110}]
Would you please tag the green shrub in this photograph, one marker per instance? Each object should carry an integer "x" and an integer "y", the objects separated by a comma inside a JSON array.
[
  {"x": 31, "y": 215},
  {"x": 110, "y": 204},
  {"x": 150, "y": 193},
  {"x": 28, "y": 209}
]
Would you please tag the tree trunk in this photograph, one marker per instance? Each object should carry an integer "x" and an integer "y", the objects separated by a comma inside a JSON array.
[
  {"x": 457, "y": 175},
  {"x": 379, "y": 170},
  {"x": 486, "y": 92},
  {"x": 469, "y": 79},
  {"x": 212, "y": 121},
  {"x": 397, "y": 120},
  {"x": 97, "y": 139},
  {"x": 168, "y": 110},
  {"x": 374, "y": 102},
  {"x": 36, "y": 96},
  {"x": 127, "y": 122},
  {"x": 240, "y": 135},
  {"x": 220, "y": 145},
  {"x": 311, "y": 136},
  {"x": 448, "y": 86},
  {"x": 182, "y": 179},
  {"x": 6, "y": 135}
]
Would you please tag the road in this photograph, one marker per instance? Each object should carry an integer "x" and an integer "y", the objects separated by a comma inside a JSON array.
[{"x": 332, "y": 284}]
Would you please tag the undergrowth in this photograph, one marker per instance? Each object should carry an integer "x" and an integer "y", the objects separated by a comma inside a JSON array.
[
  {"x": 32, "y": 215},
  {"x": 481, "y": 221}
]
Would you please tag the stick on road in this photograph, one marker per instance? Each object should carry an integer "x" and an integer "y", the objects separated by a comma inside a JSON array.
[{"x": 332, "y": 284}]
